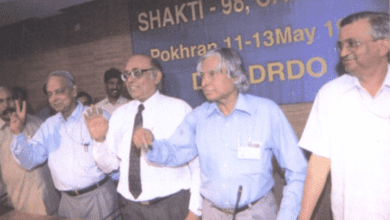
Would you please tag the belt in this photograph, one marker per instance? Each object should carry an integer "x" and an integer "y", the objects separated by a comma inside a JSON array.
[
  {"x": 78, "y": 192},
  {"x": 153, "y": 201},
  {"x": 242, "y": 208}
]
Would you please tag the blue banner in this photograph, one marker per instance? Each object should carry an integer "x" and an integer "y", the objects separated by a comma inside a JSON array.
[{"x": 288, "y": 46}]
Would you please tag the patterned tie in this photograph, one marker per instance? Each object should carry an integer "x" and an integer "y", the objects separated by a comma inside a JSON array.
[{"x": 135, "y": 153}]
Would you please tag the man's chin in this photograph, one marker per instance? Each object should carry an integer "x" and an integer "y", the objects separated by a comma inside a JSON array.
[{"x": 115, "y": 96}]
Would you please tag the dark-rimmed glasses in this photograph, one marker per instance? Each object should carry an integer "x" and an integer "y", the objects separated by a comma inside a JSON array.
[{"x": 135, "y": 73}]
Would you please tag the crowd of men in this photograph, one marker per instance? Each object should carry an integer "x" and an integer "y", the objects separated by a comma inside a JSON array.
[{"x": 155, "y": 157}]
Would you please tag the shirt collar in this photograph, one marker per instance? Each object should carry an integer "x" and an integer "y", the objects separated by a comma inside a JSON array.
[
  {"x": 119, "y": 100},
  {"x": 75, "y": 114},
  {"x": 352, "y": 82},
  {"x": 151, "y": 102},
  {"x": 241, "y": 105},
  {"x": 387, "y": 79}
]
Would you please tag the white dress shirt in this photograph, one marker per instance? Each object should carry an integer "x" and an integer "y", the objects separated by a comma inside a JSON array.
[
  {"x": 352, "y": 128},
  {"x": 162, "y": 115}
]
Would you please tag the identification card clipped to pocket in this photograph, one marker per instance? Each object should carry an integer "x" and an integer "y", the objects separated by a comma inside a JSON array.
[{"x": 252, "y": 151}]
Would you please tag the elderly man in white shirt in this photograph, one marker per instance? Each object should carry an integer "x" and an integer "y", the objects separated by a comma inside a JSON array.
[
  {"x": 348, "y": 129},
  {"x": 148, "y": 191}
]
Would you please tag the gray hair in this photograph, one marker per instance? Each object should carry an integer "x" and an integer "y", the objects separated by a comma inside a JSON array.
[
  {"x": 379, "y": 23},
  {"x": 66, "y": 74},
  {"x": 233, "y": 64},
  {"x": 157, "y": 65}
]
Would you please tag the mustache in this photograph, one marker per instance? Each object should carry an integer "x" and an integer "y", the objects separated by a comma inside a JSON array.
[
  {"x": 8, "y": 111},
  {"x": 346, "y": 57}
]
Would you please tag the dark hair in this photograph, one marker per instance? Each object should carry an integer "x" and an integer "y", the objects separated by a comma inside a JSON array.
[
  {"x": 84, "y": 94},
  {"x": 112, "y": 73},
  {"x": 44, "y": 89},
  {"x": 19, "y": 92},
  {"x": 154, "y": 63}
]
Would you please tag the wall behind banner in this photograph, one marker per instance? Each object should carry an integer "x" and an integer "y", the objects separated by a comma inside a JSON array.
[{"x": 288, "y": 46}]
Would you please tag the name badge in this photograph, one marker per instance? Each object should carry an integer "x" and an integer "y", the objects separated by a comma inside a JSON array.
[{"x": 252, "y": 151}]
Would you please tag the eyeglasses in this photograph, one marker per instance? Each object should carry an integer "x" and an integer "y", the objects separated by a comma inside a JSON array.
[
  {"x": 351, "y": 44},
  {"x": 211, "y": 73},
  {"x": 135, "y": 73}
]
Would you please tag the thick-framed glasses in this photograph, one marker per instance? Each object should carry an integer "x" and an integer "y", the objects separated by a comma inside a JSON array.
[
  {"x": 135, "y": 73},
  {"x": 351, "y": 44},
  {"x": 212, "y": 73}
]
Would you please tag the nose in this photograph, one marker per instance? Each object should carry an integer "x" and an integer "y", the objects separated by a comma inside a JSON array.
[
  {"x": 11, "y": 103},
  {"x": 129, "y": 80},
  {"x": 205, "y": 80},
  {"x": 344, "y": 50},
  {"x": 6, "y": 104},
  {"x": 52, "y": 98},
  {"x": 115, "y": 86}
]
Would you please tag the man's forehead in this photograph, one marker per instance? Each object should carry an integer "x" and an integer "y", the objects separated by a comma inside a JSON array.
[
  {"x": 56, "y": 82},
  {"x": 138, "y": 62},
  {"x": 357, "y": 29},
  {"x": 113, "y": 80},
  {"x": 211, "y": 62},
  {"x": 4, "y": 93}
]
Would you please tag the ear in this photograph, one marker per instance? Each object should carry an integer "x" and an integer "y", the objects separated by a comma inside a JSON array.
[
  {"x": 74, "y": 91},
  {"x": 158, "y": 77}
]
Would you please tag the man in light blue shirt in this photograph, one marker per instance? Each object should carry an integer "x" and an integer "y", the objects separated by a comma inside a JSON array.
[
  {"x": 235, "y": 136},
  {"x": 64, "y": 140}
]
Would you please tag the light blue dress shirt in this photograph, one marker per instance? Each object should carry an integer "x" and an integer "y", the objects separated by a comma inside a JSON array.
[
  {"x": 67, "y": 146},
  {"x": 215, "y": 138}
]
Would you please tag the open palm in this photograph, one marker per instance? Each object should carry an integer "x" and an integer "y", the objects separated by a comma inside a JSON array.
[{"x": 97, "y": 124}]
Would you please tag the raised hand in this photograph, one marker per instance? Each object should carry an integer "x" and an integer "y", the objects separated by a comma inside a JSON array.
[
  {"x": 96, "y": 123},
  {"x": 143, "y": 138},
  {"x": 18, "y": 118}
]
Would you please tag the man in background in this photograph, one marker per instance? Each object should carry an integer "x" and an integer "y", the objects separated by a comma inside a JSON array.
[
  {"x": 46, "y": 111},
  {"x": 114, "y": 85},
  {"x": 348, "y": 130},
  {"x": 84, "y": 98},
  {"x": 28, "y": 191}
]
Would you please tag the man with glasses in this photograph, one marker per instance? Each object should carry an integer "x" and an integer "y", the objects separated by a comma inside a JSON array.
[
  {"x": 114, "y": 84},
  {"x": 148, "y": 192},
  {"x": 348, "y": 130},
  {"x": 235, "y": 135}
]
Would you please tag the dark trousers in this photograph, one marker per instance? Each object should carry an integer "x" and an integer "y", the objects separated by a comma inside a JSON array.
[{"x": 174, "y": 207}]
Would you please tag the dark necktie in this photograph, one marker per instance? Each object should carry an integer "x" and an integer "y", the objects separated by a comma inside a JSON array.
[{"x": 135, "y": 153}]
